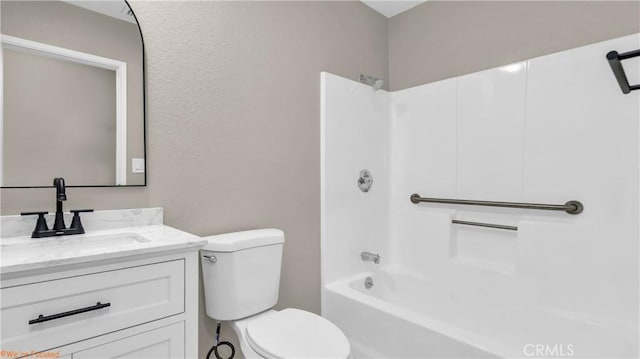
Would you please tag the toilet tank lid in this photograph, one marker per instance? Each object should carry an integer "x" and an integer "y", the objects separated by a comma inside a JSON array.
[{"x": 235, "y": 241}]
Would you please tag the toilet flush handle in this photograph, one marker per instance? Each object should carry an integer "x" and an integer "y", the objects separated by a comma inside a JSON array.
[{"x": 211, "y": 259}]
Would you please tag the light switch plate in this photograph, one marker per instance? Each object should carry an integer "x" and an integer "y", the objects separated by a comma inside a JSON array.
[{"x": 137, "y": 165}]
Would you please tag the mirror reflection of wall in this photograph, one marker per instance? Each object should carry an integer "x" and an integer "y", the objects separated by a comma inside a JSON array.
[{"x": 73, "y": 97}]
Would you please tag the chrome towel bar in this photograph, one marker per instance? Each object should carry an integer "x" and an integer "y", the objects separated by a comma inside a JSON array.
[
  {"x": 487, "y": 225},
  {"x": 571, "y": 207}
]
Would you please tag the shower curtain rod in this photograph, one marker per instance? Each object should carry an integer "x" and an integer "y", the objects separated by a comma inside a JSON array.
[{"x": 571, "y": 207}]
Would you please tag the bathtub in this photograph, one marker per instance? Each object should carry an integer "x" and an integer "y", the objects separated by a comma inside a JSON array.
[{"x": 405, "y": 315}]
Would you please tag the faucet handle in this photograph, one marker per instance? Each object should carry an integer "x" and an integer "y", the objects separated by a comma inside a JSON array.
[
  {"x": 41, "y": 224},
  {"x": 36, "y": 213},
  {"x": 76, "y": 224},
  {"x": 76, "y": 211}
]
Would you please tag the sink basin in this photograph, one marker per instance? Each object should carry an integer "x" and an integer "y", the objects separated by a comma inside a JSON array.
[
  {"x": 112, "y": 236},
  {"x": 59, "y": 247}
]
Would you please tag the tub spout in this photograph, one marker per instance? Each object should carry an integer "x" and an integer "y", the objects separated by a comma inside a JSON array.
[{"x": 370, "y": 257}]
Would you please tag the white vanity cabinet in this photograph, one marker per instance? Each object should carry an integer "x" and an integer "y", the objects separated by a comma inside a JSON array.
[
  {"x": 144, "y": 307},
  {"x": 162, "y": 343}
]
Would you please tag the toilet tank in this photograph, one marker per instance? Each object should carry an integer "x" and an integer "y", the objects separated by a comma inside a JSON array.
[{"x": 241, "y": 272}]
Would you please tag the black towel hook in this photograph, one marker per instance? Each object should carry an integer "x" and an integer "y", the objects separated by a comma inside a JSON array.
[{"x": 618, "y": 71}]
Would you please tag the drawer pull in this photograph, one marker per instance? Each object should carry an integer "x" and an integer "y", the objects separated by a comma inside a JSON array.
[{"x": 41, "y": 318}]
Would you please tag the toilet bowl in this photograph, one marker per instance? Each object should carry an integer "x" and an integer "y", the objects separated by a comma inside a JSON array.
[
  {"x": 290, "y": 333},
  {"x": 241, "y": 273}
]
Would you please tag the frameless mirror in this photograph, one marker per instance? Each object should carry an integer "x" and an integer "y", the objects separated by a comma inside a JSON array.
[{"x": 73, "y": 94}]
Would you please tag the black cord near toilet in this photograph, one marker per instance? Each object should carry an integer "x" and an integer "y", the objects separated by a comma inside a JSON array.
[{"x": 218, "y": 343}]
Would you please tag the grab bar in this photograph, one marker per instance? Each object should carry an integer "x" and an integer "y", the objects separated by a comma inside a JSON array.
[
  {"x": 571, "y": 207},
  {"x": 618, "y": 71},
  {"x": 487, "y": 225}
]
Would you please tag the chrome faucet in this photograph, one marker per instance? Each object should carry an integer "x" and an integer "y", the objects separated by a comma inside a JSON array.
[{"x": 370, "y": 257}]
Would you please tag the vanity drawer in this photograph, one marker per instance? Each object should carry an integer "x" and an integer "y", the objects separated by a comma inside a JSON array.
[{"x": 127, "y": 297}]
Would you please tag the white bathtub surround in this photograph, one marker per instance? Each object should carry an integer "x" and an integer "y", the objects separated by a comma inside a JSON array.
[
  {"x": 127, "y": 286},
  {"x": 355, "y": 137},
  {"x": 546, "y": 130}
]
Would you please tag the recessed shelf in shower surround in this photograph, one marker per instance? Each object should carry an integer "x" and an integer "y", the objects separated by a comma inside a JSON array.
[{"x": 485, "y": 248}]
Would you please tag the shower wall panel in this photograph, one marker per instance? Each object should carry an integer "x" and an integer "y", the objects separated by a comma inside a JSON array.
[
  {"x": 548, "y": 130},
  {"x": 355, "y": 128}
]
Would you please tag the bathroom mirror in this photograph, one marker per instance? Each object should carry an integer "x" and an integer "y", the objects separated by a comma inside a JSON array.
[{"x": 73, "y": 100}]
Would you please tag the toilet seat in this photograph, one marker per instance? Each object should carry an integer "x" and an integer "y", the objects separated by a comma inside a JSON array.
[{"x": 294, "y": 333}]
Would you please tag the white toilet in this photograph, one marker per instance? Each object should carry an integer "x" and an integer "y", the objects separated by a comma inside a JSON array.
[{"x": 241, "y": 274}]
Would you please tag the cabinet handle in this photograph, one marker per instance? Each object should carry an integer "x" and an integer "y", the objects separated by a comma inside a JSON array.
[{"x": 41, "y": 318}]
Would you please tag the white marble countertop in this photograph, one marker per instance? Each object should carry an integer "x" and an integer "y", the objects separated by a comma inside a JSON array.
[
  {"x": 26, "y": 253},
  {"x": 113, "y": 234}
]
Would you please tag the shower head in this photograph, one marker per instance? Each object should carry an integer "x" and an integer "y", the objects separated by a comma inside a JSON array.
[{"x": 374, "y": 82}]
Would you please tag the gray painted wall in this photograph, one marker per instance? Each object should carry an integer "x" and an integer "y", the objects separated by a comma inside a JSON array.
[
  {"x": 442, "y": 39},
  {"x": 234, "y": 109}
]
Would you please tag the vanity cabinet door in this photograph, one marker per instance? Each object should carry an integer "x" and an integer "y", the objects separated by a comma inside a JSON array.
[{"x": 166, "y": 342}]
